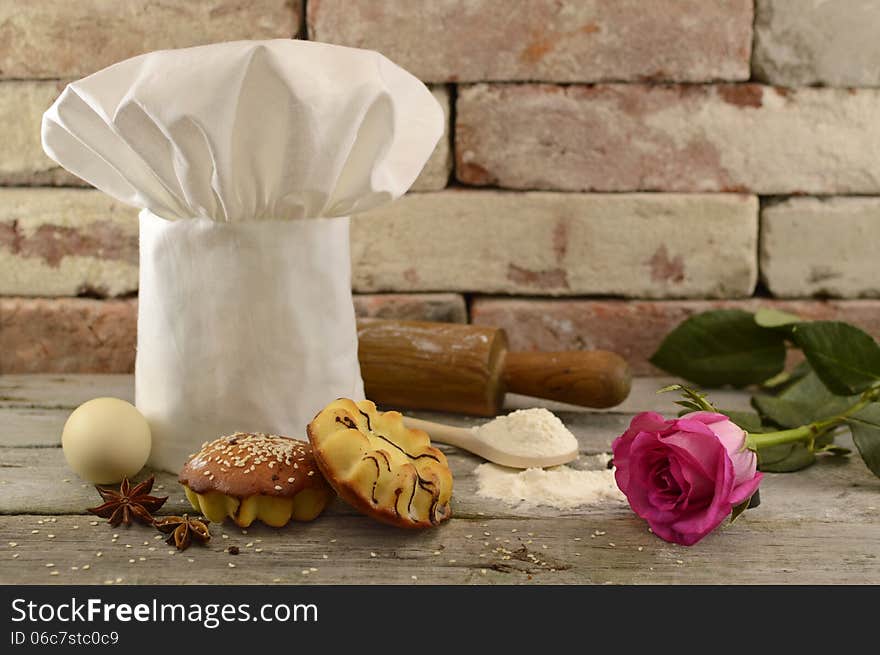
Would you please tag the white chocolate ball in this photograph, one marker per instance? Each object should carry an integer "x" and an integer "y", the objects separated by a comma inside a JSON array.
[{"x": 105, "y": 440}]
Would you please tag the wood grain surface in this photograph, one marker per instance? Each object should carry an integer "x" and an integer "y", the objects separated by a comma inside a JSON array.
[{"x": 821, "y": 525}]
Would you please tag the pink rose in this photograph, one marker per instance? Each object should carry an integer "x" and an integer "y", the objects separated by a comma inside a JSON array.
[{"x": 686, "y": 475}]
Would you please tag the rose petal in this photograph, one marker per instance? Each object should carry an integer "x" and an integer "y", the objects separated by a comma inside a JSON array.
[
  {"x": 745, "y": 490},
  {"x": 702, "y": 522},
  {"x": 703, "y": 447}
]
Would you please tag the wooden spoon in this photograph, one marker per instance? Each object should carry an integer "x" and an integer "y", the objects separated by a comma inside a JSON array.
[{"x": 468, "y": 440}]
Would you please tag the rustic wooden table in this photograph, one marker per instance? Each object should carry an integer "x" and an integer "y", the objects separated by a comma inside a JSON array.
[{"x": 821, "y": 525}]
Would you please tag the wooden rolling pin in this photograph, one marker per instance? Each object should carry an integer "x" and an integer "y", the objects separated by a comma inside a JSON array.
[{"x": 467, "y": 369}]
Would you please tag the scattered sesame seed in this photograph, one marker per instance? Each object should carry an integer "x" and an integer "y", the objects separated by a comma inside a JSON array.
[
  {"x": 678, "y": 561},
  {"x": 312, "y": 569},
  {"x": 414, "y": 577},
  {"x": 641, "y": 549},
  {"x": 372, "y": 554},
  {"x": 86, "y": 567},
  {"x": 98, "y": 554},
  {"x": 276, "y": 579},
  {"x": 483, "y": 571},
  {"x": 50, "y": 536},
  {"x": 53, "y": 572},
  {"x": 34, "y": 531},
  {"x": 305, "y": 571},
  {"x": 93, "y": 523},
  {"x": 49, "y": 565},
  {"x": 14, "y": 555},
  {"x": 324, "y": 556},
  {"x": 436, "y": 552},
  {"x": 231, "y": 565},
  {"x": 131, "y": 561},
  {"x": 142, "y": 559},
  {"x": 258, "y": 550},
  {"x": 291, "y": 480},
  {"x": 13, "y": 544},
  {"x": 278, "y": 487}
]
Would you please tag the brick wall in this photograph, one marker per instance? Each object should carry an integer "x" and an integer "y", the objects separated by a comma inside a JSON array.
[{"x": 609, "y": 167}]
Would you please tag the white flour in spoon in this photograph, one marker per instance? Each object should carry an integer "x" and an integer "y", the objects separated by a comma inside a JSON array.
[
  {"x": 538, "y": 432},
  {"x": 528, "y": 433}
]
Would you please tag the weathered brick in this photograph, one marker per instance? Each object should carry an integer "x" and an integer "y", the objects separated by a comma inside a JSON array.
[
  {"x": 669, "y": 138},
  {"x": 435, "y": 174},
  {"x": 438, "y": 307},
  {"x": 81, "y": 335},
  {"x": 633, "y": 245},
  {"x": 63, "y": 242},
  {"x": 64, "y": 39},
  {"x": 582, "y": 41},
  {"x": 635, "y": 329},
  {"x": 808, "y": 42},
  {"x": 821, "y": 247},
  {"x": 22, "y": 160},
  {"x": 67, "y": 335}
]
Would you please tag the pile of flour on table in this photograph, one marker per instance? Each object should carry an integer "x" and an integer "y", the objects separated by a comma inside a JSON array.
[{"x": 538, "y": 432}]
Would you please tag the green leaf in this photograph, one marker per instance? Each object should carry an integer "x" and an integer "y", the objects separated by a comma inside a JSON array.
[
  {"x": 865, "y": 426},
  {"x": 787, "y": 377},
  {"x": 743, "y": 506},
  {"x": 804, "y": 401},
  {"x": 785, "y": 458},
  {"x": 739, "y": 509},
  {"x": 773, "y": 318},
  {"x": 831, "y": 449},
  {"x": 844, "y": 357},
  {"x": 721, "y": 347},
  {"x": 748, "y": 421}
]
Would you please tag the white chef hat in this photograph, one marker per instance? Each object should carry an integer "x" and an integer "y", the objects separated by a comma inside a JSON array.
[
  {"x": 245, "y": 319},
  {"x": 247, "y": 130}
]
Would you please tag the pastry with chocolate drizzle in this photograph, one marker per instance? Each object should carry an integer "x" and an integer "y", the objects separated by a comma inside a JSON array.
[{"x": 379, "y": 466}]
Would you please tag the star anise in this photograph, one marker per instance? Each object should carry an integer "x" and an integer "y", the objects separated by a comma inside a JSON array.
[
  {"x": 181, "y": 530},
  {"x": 128, "y": 502}
]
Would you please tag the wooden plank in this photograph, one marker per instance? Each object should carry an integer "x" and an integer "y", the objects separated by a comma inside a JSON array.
[
  {"x": 361, "y": 551},
  {"x": 69, "y": 391},
  {"x": 62, "y": 391},
  {"x": 37, "y": 481},
  {"x": 36, "y": 427},
  {"x": 31, "y": 426}
]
